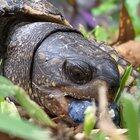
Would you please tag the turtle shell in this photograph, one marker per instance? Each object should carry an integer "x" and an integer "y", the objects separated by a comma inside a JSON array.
[
  {"x": 38, "y": 9},
  {"x": 16, "y": 11}
]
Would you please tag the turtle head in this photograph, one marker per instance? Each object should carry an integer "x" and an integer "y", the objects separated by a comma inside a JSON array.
[
  {"x": 65, "y": 67},
  {"x": 68, "y": 67}
]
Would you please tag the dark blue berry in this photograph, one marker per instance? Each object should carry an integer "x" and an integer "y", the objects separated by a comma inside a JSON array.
[{"x": 77, "y": 109}]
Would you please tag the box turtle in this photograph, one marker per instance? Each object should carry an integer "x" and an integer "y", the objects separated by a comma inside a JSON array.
[{"x": 52, "y": 61}]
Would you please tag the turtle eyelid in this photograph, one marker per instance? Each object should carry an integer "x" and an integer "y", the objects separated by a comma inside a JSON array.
[{"x": 76, "y": 71}]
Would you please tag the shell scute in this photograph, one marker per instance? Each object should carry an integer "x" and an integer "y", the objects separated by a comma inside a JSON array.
[{"x": 39, "y": 9}]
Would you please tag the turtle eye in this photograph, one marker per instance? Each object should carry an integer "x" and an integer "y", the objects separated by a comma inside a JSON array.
[{"x": 78, "y": 72}]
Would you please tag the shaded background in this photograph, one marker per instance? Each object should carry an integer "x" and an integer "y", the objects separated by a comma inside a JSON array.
[
  {"x": 89, "y": 12},
  {"x": 104, "y": 13}
]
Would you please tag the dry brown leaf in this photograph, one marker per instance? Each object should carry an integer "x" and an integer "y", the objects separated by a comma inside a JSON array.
[
  {"x": 126, "y": 29},
  {"x": 130, "y": 51}
]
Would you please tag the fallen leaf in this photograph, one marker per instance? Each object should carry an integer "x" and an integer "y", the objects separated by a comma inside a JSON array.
[
  {"x": 130, "y": 51},
  {"x": 126, "y": 29}
]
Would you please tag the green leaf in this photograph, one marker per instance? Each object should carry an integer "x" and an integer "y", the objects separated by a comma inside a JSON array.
[
  {"x": 9, "y": 108},
  {"x": 100, "y": 33},
  {"x": 131, "y": 115},
  {"x": 104, "y": 8},
  {"x": 6, "y": 87},
  {"x": 6, "y": 90},
  {"x": 31, "y": 107},
  {"x": 124, "y": 79},
  {"x": 137, "y": 94},
  {"x": 2, "y": 99},
  {"x": 97, "y": 135},
  {"x": 100, "y": 136},
  {"x": 5, "y": 81},
  {"x": 34, "y": 110},
  {"x": 90, "y": 120},
  {"x": 132, "y": 7},
  {"x": 22, "y": 129}
]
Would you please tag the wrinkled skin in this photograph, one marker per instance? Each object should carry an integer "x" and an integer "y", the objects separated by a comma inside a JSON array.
[{"x": 62, "y": 66}]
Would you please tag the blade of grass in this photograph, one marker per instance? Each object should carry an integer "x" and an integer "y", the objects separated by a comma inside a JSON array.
[
  {"x": 22, "y": 129},
  {"x": 124, "y": 79},
  {"x": 100, "y": 136},
  {"x": 131, "y": 115},
  {"x": 100, "y": 33},
  {"x": 34, "y": 110},
  {"x": 5, "y": 81},
  {"x": 9, "y": 108},
  {"x": 1, "y": 99},
  {"x": 137, "y": 94},
  {"x": 89, "y": 120},
  {"x": 6, "y": 90}
]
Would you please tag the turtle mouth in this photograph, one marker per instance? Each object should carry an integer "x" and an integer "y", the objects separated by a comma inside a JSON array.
[
  {"x": 76, "y": 106},
  {"x": 74, "y": 96},
  {"x": 70, "y": 97},
  {"x": 79, "y": 98},
  {"x": 69, "y": 102},
  {"x": 88, "y": 92}
]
